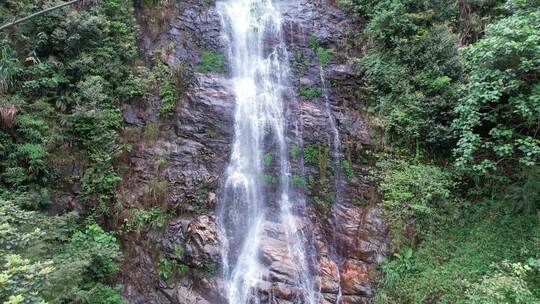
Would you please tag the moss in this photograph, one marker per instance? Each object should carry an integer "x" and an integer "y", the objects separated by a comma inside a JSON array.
[
  {"x": 151, "y": 132},
  {"x": 294, "y": 151},
  {"x": 314, "y": 42},
  {"x": 297, "y": 181},
  {"x": 323, "y": 55},
  {"x": 347, "y": 169},
  {"x": 270, "y": 179},
  {"x": 211, "y": 61},
  {"x": 169, "y": 99},
  {"x": 309, "y": 93},
  {"x": 268, "y": 159}
]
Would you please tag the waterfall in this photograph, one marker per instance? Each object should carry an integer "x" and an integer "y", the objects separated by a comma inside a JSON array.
[
  {"x": 260, "y": 75},
  {"x": 337, "y": 156}
]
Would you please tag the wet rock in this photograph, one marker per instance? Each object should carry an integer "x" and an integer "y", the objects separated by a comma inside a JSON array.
[
  {"x": 196, "y": 143},
  {"x": 361, "y": 232},
  {"x": 131, "y": 117},
  {"x": 276, "y": 256},
  {"x": 329, "y": 276},
  {"x": 356, "y": 278},
  {"x": 355, "y": 300},
  {"x": 193, "y": 241},
  {"x": 186, "y": 295}
]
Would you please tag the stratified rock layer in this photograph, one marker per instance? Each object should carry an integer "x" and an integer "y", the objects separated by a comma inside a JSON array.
[{"x": 349, "y": 236}]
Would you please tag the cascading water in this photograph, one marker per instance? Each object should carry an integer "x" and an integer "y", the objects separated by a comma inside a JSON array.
[
  {"x": 336, "y": 155},
  {"x": 260, "y": 70}
]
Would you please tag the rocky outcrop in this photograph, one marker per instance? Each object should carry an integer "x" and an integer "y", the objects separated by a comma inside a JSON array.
[
  {"x": 348, "y": 234},
  {"x": 351, "y": 236}
]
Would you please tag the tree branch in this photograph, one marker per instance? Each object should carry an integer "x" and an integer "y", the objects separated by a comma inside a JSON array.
[{"x": 10, "y": 24}]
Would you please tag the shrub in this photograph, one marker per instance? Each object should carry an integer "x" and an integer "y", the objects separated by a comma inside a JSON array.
[
  {"x": 498, "y": 114},
  {"x": 323, "y": 55},
  {"x": 507, "y": 284},
  {"x": 99, "y": 186},
  {"x": 77, "y": 71},
  {"x": 167, "y": 268},
  {"x": 309, "y": 93},
  {"x": 347, "y": 169},
  {"x": 313, "y": 42},
  {"x": 297, "y": 181},
  {"x": 169, "y": 99},
  {"x": 211, "y": 61},
  {"x": 97, "y": 246},
  {"x": 294, "y": 151},
  {"x": 52, "y": 262},
  {"x": 141, "y": 219},
  {"x": 181, "y": 75},
  {"x": 98, "y": 293},
  {"x": 311, "y": 154},
  {"x": 414, "y": 193},
  {"x": 22, "y": 280},
  {"x": 456, "y": 265},
  {"x": 269, "y": 179},
  {"x": 9, "y": 68},
  {"x": 268, "y": 159}
]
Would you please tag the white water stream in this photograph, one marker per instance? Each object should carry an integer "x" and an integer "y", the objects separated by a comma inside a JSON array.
[{"x": 260, "y": 76}]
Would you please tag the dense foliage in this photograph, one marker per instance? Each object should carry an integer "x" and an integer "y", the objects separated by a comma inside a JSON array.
[
  {"x": 485, "y": 257},
  {"x": 498, "y": 115},
  {"x": 48, "y": 259},
  {"x": 455, "y": 85},
  {"x": 411, "y": 70},
  {"x": 63, "y": 77}
]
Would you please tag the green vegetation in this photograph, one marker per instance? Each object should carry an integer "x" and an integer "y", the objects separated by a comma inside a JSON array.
[
  {"x": 167, "y": 268},
  {"x": 320, "y": 185},
  {"x": 168, "y": 99},
  {"x": 309, "y": 93},
  {"x": 151, "y": 132},
  {"x": 200, "y": 205},
  {"x": 347, "y": 169},
  {"x": 313, "y": 42},
  {"x": 209, "y": 2},
  {"x": 416, "y": 194},
  {"x": 498, "y": 114},
  {"x": 63, "y": 79},
  {"x": 211, "y": 61},
  {"x": 310, "y": 180},
  {"x": 452, "y": 88},
  {"x": 311, "y": 154},
  {"x": 323, "y": 55},
  {"x": 297, "y": 65},
  {"x": 268, "y": 159},
  {"x": 270, "y": 180},
  {"x": 297, "y": 181},
  {"x": 47, "y": 259},
  {"x": 467, "y": 262},
  {"x": 171, "y": 81},
  {"x": 140, "y": 219},
  {"x": 294, "y": 151},
  {"x": 411, "y": 69}
]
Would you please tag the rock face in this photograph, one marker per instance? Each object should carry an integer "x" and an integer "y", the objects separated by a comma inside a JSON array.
[{"x": 348, "y": 233}]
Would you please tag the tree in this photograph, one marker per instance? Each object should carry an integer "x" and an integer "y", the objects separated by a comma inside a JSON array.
[{"x": 498, "y": 115}]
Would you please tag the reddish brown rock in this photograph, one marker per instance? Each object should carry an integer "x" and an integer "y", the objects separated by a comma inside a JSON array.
[
  {"x": 356, "y": 278},
  {"x": 329, "y": 276}
]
